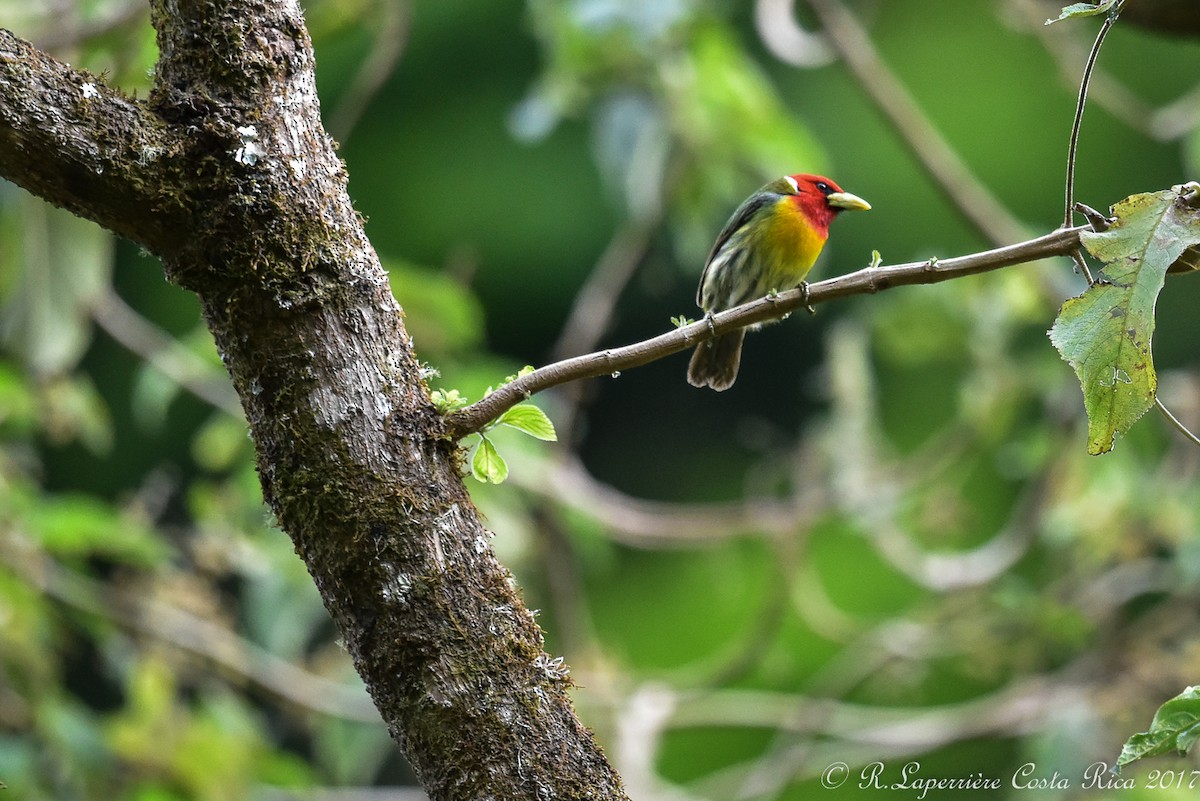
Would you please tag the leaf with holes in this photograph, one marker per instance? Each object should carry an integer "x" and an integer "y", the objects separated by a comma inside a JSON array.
[{"x": 1105, "y": 333}]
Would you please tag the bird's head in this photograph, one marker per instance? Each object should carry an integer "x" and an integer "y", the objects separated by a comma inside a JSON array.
[{"x": 818, "y": 198}]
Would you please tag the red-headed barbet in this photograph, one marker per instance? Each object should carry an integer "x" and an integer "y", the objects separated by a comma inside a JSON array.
[{"x": 769, "y": 244}]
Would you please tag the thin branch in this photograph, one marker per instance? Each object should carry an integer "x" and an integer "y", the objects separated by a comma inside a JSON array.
[
  {"x": 848, "y": 733},
  {"x": 1081, "y": 266},
  {"x": 392, "y": 23},
  {"x": 159, "y": 349},
  {"x": 952, "y": 175},
  {"x": 596, "y": 302},
  {"x": 70, "y": 139},
  {"x": 202, "y": 638},
  {"x": 1179, "y": 426},
  {"x": 650, "y": 524},
  {"x": 1073, "y": 146},
  {"x": 867, "y": 280}
]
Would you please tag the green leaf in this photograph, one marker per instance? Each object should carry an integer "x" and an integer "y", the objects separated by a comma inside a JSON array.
[
  {"x": 1105, "y": 333},
  {"x": 1176, "y": 727},
  {"x": 1084, "y": 10},
  {"x": 487, "y": 464},
  {"x": 530, "y": 419},
  {"x": 446, "y": 401}
]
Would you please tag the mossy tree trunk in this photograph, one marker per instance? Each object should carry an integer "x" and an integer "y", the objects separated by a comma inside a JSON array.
[{"x": 226, "y": 174}]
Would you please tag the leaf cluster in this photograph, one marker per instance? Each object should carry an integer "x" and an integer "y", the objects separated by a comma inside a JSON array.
[{"x": 487, "y": 465}]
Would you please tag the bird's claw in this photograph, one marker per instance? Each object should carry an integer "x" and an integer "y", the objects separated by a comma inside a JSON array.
[{"x": 804, "y": 293}]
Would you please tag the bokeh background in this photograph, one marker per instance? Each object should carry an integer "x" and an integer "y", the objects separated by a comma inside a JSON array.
[{"x": 884, "y": 544}]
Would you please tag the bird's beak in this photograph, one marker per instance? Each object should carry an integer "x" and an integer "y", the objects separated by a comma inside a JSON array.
[{"x": 847, "y": 201}]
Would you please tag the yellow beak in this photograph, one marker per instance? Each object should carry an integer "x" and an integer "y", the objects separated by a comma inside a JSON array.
[{"x": 847, "y": 201}]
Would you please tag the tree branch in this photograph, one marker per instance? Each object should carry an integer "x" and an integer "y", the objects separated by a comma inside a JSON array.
[
  {"x": 162, "y": 351},
  {"x": 868, "y": 280},
  {"x": 81, "y": 145}
]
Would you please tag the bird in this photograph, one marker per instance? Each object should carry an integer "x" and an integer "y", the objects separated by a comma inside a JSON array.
[{"x": 769, "y": 244}]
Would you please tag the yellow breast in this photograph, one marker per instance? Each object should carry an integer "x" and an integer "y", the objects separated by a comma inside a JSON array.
[{"x": 789, "y": 246}]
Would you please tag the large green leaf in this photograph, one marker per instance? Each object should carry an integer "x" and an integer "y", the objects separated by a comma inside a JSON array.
[
  {"x": 1105, "y": 333},
  {"x": 1176, "y": 727}
]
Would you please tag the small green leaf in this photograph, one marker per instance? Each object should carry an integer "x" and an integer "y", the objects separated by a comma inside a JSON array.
[
  {"x": 1084, "y": 10},
  {"x": 446, "y": 401},
  {"x": 508, "y": 379},
  {"x": 530, "y": 419},
  {"x": 487, "y": 464},
  {"x": 1176, "y": 727},
  {"x": 1105, "y": 333}
]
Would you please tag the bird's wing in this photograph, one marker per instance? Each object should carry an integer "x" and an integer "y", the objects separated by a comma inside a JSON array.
[{"x": 742, "y": 215}]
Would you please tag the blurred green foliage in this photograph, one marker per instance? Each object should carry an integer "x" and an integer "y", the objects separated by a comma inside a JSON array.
[{"x": 886, "y": 543}]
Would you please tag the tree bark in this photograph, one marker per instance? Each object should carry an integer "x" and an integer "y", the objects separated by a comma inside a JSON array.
[{"x": 227, "y": 175}]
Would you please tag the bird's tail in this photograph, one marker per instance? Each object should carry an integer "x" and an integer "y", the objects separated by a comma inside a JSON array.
[{"x": 715, "y": 362}]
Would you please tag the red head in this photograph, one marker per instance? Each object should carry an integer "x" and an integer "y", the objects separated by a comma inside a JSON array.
[{"x": 818, "y": 198}]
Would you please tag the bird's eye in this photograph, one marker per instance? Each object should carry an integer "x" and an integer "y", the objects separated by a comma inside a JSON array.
[{"x": 824, "y": 187}]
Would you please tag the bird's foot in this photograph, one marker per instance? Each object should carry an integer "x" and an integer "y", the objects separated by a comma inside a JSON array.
[{"x": 805, "y": 295}]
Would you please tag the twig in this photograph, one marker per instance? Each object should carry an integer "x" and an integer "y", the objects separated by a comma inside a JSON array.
[
  {"x": 1082, "y": 266},
  {"x": 391, "y": 37},
  {"x": 966, "y": 192},
  {"x": 1164, "y": 123},
  {"x": 1072, "y": 148},
  {"x": 594, "y": 305},
  {"x": 202, "y": 638},
  {"x": 161, "y": 351},
  {"x": 1175, "y": 422},
  {"x": 848, "y": 733},
  {"x": 650, "y": 524},
  {"x": 867, "y": 280}
]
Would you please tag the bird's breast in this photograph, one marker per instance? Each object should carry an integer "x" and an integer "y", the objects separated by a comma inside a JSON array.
[{"x": 790, "y": 244}]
